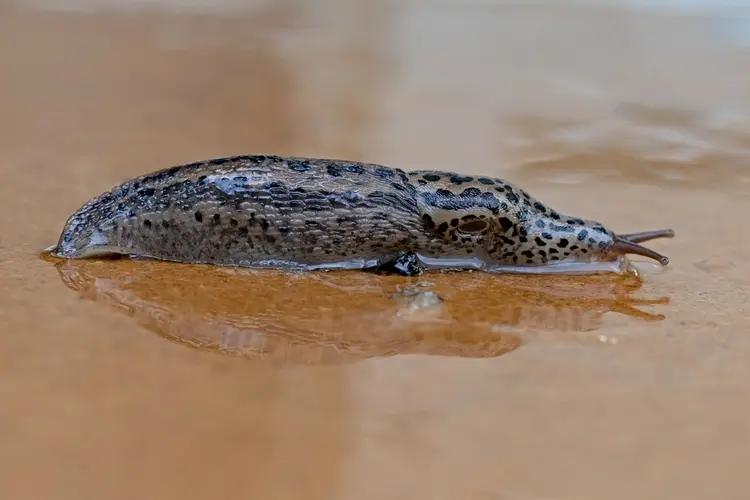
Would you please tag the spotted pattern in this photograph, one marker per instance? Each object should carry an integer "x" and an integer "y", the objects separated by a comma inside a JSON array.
[{"x": 247, "y": 210}]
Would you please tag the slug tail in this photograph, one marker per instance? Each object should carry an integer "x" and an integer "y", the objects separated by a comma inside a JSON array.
[{"x": 628, "y": 246}]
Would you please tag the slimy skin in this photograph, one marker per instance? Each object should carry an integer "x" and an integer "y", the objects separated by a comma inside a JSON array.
[{"x": 305, "y": 213}]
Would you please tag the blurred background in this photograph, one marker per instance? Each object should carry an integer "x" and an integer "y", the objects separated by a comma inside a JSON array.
[{"x": 632, "y": 112}]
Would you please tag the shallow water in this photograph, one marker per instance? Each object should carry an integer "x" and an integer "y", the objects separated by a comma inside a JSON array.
[{"x": 123, "y": 379}]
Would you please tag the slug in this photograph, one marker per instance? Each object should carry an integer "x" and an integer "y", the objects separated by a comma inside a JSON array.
[{"x": 306, "y": 213}]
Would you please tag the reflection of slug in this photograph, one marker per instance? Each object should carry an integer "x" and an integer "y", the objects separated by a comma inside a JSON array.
[
  {"x": 270, "y": 211},
  {"x": 339, "y": 317}
]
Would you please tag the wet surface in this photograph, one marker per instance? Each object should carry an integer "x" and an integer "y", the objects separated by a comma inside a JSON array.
[{"x": 124, "y": 379}]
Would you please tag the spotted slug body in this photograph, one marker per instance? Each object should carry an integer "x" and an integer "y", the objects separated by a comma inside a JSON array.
[{"x": 291, "y": 212}]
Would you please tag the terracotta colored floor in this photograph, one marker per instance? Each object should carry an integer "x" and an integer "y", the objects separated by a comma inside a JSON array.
[{"x": 123, "y": 379}]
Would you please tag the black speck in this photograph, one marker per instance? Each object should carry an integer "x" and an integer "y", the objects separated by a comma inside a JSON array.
[
  {"x": 582, "y": 235},
  {"x": 460, "y": 179},
  {"x": 354, "y": 169},
  {"x": 470, "y": 192},
  {"x": 216, "y": 218},
  {"x": 383, "y": 172},
  {"x": 505, "y": 223},
  {"x": 199, "y": 216},
  {"x": 234, "y": 223},
  {"x": 299, "y": 165},
  {"x": 147, "y": 223},
  {"x": 334, "y": 170},
  {"x": 428, "y": 222},
  {"x": 485, "y": 180},
  {"x": 563, "y": 243}
]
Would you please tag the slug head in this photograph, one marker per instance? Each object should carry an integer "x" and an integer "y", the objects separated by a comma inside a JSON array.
[{"x": 505, "y": 227}]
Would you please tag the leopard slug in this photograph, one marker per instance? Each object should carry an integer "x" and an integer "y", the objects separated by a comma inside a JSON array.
[{"x": 306, "y": 213}]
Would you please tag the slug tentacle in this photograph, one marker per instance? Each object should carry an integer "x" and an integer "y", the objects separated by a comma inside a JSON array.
[
  {"x": 308, "y": 213},
  {"x": 623, "y": 246},
  {"x": 647, "y": 235}
]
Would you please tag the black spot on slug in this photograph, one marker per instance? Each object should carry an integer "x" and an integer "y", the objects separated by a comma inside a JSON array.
[
  {"x": 540, "y": 207},
  {"x": 428, "y": 222},
  {"x": 505, "y": 223},
  {"x": 431, "y": 177},
  {"x": 485, "y": 180},
  {"x": 199, "y": 216},
  {"x": 147, "y": 223},
  {"x": 299, "y": 165},
  {"x": 547, "y": 236},
  {"x": 582, "y": 235},
  {"x": 460, "y": 179},
  {"x": 562, "y": 243},
  {"x": 354, "y": 169},
  {"x": 470, "y": 192},
  {"x": 540, "y": 242},
  {"x": 216, "y": 218},
  {"x": 383, "y": 172},
  {"x": 334, "y": 170}
]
